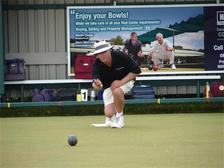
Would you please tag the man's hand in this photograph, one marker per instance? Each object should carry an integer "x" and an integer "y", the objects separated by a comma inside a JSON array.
[
  {"x": 139, "y": 54},
  {"x": 169, "y": 49},
  {"x": 97, "y": 84},
  {"x": 125, "y": 51},
  {"x": 116, "y": 84}
]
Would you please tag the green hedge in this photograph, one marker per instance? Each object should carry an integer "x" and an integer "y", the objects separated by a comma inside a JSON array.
[{"x": 97, "y": 109}]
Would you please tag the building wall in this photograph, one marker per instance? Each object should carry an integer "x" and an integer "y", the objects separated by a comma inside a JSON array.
[
  {"x": 1, "y": 52},
  {"x": 39, "y": 35}
]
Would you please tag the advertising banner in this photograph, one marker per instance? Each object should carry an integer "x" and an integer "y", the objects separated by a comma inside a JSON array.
[
  {"x": 192, "y": 35},
  {"x": 214, "y": 38}
]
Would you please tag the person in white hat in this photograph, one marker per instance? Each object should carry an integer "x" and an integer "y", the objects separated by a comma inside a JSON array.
[{"x": 113, "y": 71}]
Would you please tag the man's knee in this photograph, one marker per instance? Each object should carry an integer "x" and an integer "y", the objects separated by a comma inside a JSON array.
[
  {"x": 170, "y": 54},
  {"x": 118, "y": 92}
]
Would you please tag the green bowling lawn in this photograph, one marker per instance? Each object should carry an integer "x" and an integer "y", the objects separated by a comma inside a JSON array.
[{"x": 147, "y": 141}]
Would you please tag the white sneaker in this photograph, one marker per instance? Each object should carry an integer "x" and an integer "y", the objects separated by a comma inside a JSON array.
[
  {"x": 119, "y": 122},
  {"x": 173, "y": 67},
  {"x": 109, "y": 121}
]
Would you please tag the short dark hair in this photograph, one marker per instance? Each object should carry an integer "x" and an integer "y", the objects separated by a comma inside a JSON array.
[{"x": 133, "y": 33}]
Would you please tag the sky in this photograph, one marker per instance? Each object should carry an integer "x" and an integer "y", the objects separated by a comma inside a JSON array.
[{"x": 193, "y": 41}]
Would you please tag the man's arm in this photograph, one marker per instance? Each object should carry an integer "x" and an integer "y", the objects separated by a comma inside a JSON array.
[
  {"x": 125, "y": 49},
  {"x": 139, "y": 53},
  {"x": 96, "y": 84},
  {"x": 169, "y": 49},
  {"x": 132, "y": 68},
  {"x": 169, "y": 46},
  {"x": 130, "y": 76},
  {"x": 117, "y": 83}
]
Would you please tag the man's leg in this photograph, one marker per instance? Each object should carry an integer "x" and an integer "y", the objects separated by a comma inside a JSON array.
[
  {"x": 109, "y": 107},
  {"x": 119, "y": 102},
  {"x": 109, "y": 110},
  {"x": 155, "y": 59},
  {"x": 119, "y": 106},
  {"x": 118, "y": 99},
  {"x": 170, "y": 55}
]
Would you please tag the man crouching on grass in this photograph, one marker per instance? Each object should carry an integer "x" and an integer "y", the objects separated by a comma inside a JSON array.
[{"x": 113, "y": 71}]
